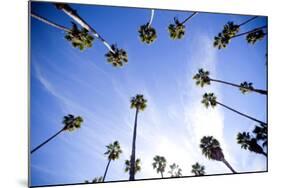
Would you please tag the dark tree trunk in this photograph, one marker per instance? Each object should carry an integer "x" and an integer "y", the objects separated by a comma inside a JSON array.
[
  {"x": 245, "y": 115},
  {"x": 193, "y": 14},
  {"x": 161, "y": 174},
  {"x": 133, "y": 155},
  {"x": 260, "y": 91},
  {"x": 247, "y": 21},
  {"x": 251, "y": 31},
  {"x": 46, "y": 141},
  {"x": 106, "y": 170},
  {"x": 228, "y": 165}
]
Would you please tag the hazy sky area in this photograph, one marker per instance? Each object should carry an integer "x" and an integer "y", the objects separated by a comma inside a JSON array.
[{"x": 65, "y": 80}]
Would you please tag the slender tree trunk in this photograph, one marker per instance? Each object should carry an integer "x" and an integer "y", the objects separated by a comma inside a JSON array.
[
  {"x": 251, "y": 31},
  {"x": 46, "y": 141},
  {"x": 133, "y": 155},
  {"x": 106, "y": 170},
  {"x": 73, "y": 14},
  {"x": 40, "y": 18},
  {"x": 161, "y": 174},
  {"x": 260, "y": 91},
  {"x": 245, "y": 115},
  {"x": 228, "y": 165},
  {"x": 193, "y": 14},
  {"x": 247, "y": 21},
  {"x": 151, "y": 18}
]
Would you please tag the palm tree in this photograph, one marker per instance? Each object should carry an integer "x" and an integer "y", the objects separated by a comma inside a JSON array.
[
  {"x": 80, "y": 39},
  {"x": 118, "y": 58},
  {"x": 95, "y": 180},
  {"x": 261, "y": 134},
  {"x": 175, "y": 170},
  {"x": 230, "y": 31},
  {"x": 177, "y": 30},
  {"x": 255, "y": 36},
  {"x": 139, "y": 103},
  {"x": 137, "y": 167},
  {"x": 212, "y": 150},
  {"x": 249, "y": 143},
  {"x": 74, "y": 15},
  {"x": 202, "y": 78},
  {"x": 113, "y": 152},
  {"x": 159, "y": 164},
  {"x": 209, "y": 99},
  {"x": 198, "y": 170},
  {"x": 147, "y": 33},
  {"x": 70, "y": 124}
]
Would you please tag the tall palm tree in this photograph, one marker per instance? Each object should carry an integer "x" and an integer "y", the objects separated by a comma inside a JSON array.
[
  {"x": 198, "y": 170},
  {"x": 113, "y": 152},
  {"x": 159, "y": 164},
  {"x": 249, "y": 143},
  {"x": 202, "y": 78},
  {"x": 261, "y": 134},
  {"x": 211, "y": 149},
  {"x": 70, "y": 124},
  {"x": 147, "y": 33},
  {"x": 137, "y": 166},
  {"x": 139, "y": 103},
  {"x": 95, "y": 180},
  {"x": 75, "y": 16},
  {"x": 175, "y": 170},
  {"x": 177, "y": 30},
  {"x": 80, "y": 39},
  {"x": 209, "y": 99}
]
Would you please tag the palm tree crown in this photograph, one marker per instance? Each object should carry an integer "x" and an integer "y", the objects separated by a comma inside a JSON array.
[
  {"x": 198, "y": 170},
  {"x": 71, "y": 123},
  {"x": 159, "y": 164},
  {"x": 176, "y": 30},
  {"x": 147, "y": 33},
  {"x": 175, "y": 170},
  {"x": 202, "y": 78},
  {"x": 249, "y": 143},
  {"x": 246, "y": 87},
  {"x": 261, "y": 134},
  {"x": 137, "y": 166},
  {"x": 211, "y": 148},
  {"x": 209, "y": 99},
  {"x": 255, "y": 36},
  {"x": 138, "y": 102},
  {"x": 79, "y": 38},
  {"x": 95, "y": 180},
  {"x": 113, "y": 151},
  {"x": 118, "y": 58}
]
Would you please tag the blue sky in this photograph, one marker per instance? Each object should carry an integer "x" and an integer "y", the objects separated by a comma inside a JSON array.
[{"x": 65, "y": 80}]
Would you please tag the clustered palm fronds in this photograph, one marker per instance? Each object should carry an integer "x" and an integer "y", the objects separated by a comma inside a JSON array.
[
  {"x": 223, "y": 38},
  {"x": 147, "y": 33},
  {"x": 159, "y": 164},
  {"x": 261, "y": 134},
  {"x": 95, "y": 180},
  {"x": 209, "y": 99},
  {"x": 138, "y": 102},
  {"x": 113, "y": 150},
  {"x": 211, "y": 148},
  {"x": 118, "y": 58},
  {"x": 137, "y": 166},
  {"x": 80, "y": 39},
  {"x": 175, "y": 170},
  {"x": 198, "y": 170},
  {"x": 246, "y": 87},
  {"x": 71, "y": 123},
  {"x": 255, "y": 36},
  {"x": 176, "y": 30},
  {"x": 202, "y": 78}
]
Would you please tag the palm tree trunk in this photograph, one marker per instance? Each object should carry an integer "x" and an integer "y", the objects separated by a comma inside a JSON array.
[
  {"x": 40, "y": 18},
  {"x": 228, "y": 165},
  {"x": 151, "y": 17},
  {"x": 161, "y": 174},
  {"x": 193, "y": 14},
  {"x": 247, "y": 21},
  {"x": 133, "y": 155},
  {"x": 260, "y": 91},
  {"x": 106, "y": 170},
  {"x": 46, "y": 141},
  {"x": 245, "y": 115},
  {"x": 73, "y": 14},
  {"x": 251, "y": 31},
  {"x": 265, "y": 154}
]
